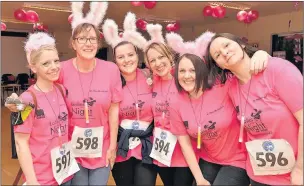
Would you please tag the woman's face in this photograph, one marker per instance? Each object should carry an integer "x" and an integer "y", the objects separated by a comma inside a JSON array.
[
  {"x": 126, "y": 58},
  {"x": 48, "y": 66},
  {"x": 159, "y": 63},
  {"x": 226, "y": 53},
  {"x": 86, "y": 44},
  {"x": 186, "y": 75}
]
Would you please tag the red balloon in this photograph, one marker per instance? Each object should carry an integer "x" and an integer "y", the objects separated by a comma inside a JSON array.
[
  {"x": 120, "y": 34},
  {"x": 20, "y": 15},
  {"x": 136, "y": 3},
  {"x": 149, "y": 4},
  {"x": 70, "y": 18},
  {"x": 45, "y": 28},
  {"x": 253, "y": 14},
  {"x": 248, "y": 20},
  {"x": 3, "y": 26},
  {"x": 170, "y": 27},
  {"x": 32, "y": 16},
  {"x": 207, "y": 11},
  {"x": 219, "y": 11},
  {"x": 101, "y": 35},
  {"x": 39, "y": 27},
  {"x": 141, "y": 24},
  {"x": 241, "y": 15},
  {"x": 176, "y": 26}
]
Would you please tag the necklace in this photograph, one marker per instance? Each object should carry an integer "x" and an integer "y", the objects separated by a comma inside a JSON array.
[
  {"x": 86, "y": 109},
  {"x": 56, "y": 116},
  {"x": 198, "y": 123},
  {"x": 135, "y": 100},
  {"x": 243, "y": 113}
]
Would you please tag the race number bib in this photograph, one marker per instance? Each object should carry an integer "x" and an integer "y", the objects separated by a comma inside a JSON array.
[
  {"x": 63, "y": 162},
  {"x": 87, "y": 142},
  {"x": 163, "y": 146},
  {"x": 271, "y": 156},
  {"x": 135, "y": 125}
]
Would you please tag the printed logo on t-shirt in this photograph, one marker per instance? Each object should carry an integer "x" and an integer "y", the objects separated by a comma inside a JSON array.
[
  {"x": 78, "y": 109},
  {"x": 40, "y": 113},
  {"x": 154, "y": 94},
  {"x": 130, "y": 111},
  {"x": 90, "y": 101},
  {"x": 209, "y": 131},
  {"x": 63, "y": 116},
  {"x": 186, "y": 124},
  {"x": 59, "y": 124},
  {"x": 254, "y": 124},
  {"x": 162, "y": 107}
]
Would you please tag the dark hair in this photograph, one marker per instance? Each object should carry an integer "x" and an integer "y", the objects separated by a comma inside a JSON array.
[
  {"x": 201, "y": 72},
  {"x": 215, "y": 72},
  {"x": 123, "y": 81},
  {"x": 85, "y": 27}
]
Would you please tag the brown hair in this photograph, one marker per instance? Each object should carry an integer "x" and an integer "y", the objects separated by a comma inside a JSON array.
[
  {"x": 85, "y": 27},
  {"x": 161, "y": 48},
  {"x": 35, "y": 55},
  {"x": 215, "y": 72}
]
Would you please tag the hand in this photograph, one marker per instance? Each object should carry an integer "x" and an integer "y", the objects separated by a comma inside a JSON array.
[
  {"x": 202, "y": 182},
  {"x": 12, "y": 106},
  {"x": 296, "y": 176},
  {"x": 111, "y": 156},
  {"x": 259, "y": 62}
]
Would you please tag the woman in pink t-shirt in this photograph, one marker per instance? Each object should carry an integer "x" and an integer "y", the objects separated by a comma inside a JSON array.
[
  {"x": 133, "y": 164},
  {"x": 270, "y": 108},
  {"x": 41, "y": 134}
]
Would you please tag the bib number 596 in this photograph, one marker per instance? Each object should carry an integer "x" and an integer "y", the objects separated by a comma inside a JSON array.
[
  {"x": 270, "y": 157},
  {"x": 63, "y": 161},
  {"x": 87, "y": 142},
  {"x": 161, "y": 146}
]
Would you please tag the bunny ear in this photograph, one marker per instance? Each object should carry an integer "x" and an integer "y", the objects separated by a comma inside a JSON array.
[
  {"x": 110, "y": 32},
  {"x": 97, "y": 12},
  {"x": 202, "y": 43},
  {"x": 135, "y": 38},
  {"x": 155, "y": 31},
  {"x": 77, "y": 13},
  {"x": 176, "y": 42},
  {"x": 130, "y": 22}
]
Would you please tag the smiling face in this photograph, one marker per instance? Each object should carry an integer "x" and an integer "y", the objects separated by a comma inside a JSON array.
[
  {"x": 226, "y": 53},
  {"x": 126, "y": 58},
  {"x": 86, "y": 41},
  {"x": 186, "y": 75},
  {"x": 159, "y": 60}
]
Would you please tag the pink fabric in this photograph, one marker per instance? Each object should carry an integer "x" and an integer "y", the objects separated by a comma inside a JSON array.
[
  {"x": 127, "y": 107},
  {"x": 43, "y": 131},
  {"x": 275, "y": 95},
  {"x": 105, "y": 89},
  {"x": 219, "y": 126},
  {"x": 160, "y": 92}
]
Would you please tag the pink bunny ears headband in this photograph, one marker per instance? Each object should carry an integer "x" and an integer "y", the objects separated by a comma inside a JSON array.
[
  {"x": 130, "y": 34},
  {"x": 36, "y": 41},
  {"x": 197, "y": 47},
  {"x": 94, "y": 16}
]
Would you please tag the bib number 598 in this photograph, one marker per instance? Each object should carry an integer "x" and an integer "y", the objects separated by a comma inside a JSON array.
[
  {"x": 87, "y": 142},
  {"x": 63, "y": 161},
  {"x": 270, "y": 157},
  {"x": 161, "y": 146}
]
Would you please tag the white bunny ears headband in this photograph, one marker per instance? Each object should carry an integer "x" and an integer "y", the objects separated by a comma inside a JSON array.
[
  {"x": 94, "y": 16},
  {"x": 197, "y": 47}
]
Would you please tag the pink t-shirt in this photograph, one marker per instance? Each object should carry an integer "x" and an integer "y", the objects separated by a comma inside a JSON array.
[
  {"x": 274, "y": 96},
  {"x": 220, "y": 128},
  {"x": 101, "y": 87},
  {"x": 43, "y": 130},
  {"x": 163, "y": 91},
  {"x": 127, "y": 109}
]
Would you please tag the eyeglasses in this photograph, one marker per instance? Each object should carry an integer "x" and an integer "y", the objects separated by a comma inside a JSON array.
[{"x": 83, "y": 40}]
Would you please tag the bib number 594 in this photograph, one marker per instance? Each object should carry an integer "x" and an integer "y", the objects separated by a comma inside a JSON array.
[
  {"x": 270, "y": 157},
  {"x": 87, "y": 142},
  {"x": 63, "y": 161},
  {"x": 161, "y": 146}
]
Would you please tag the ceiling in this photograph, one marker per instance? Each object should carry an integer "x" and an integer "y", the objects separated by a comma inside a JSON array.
[{"x": 188, "y": 13}]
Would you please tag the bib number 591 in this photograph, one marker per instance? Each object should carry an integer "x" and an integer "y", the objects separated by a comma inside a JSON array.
[
  {"x": 87, "y": 142},
  {"x": 161, "y": 146},
  {"x": 63, "y": 161},
  {"x": 270, "y": 157}
]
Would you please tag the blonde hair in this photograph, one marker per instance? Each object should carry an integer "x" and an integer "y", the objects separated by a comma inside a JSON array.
[
  {"x": 161, "y": 48},
  {"x": 84, "y": 28},
  {"x": 35, "y": 55}
]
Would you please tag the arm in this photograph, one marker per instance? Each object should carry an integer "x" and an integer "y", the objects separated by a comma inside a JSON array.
[
  {"x": 25, "y": 158},
  {"x": 259, "y": 62}
]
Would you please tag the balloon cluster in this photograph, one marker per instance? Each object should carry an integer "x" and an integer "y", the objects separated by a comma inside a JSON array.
[
  {"x": 26, "y": 16},
  {"x": 141, "y": 24},
  {"x": 247, "y": 17},
  {"x": 147, "y": 4},
  {"x": 173, "y": 27},
  {"x": 214, "y": 11},
  {"x": 3, "y": 26}
]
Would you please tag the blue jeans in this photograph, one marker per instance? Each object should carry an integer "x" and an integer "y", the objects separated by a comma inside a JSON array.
[{"x": 86, "y": 176}]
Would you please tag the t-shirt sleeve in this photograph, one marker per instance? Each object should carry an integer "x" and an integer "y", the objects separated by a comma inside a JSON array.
[
  {"x": 177, "y": 126},
  {"x": 116, "y": 86},
  {"x": 287, "y": 82},
  {"x": 27, "y": 115}
]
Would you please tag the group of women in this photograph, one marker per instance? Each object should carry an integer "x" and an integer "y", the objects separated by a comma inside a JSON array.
[{"x": 202, "y": 112}]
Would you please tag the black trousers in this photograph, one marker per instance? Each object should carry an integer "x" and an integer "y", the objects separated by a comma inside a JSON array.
[
  {"x": 217, "y": 174},
  {"x": 134, "y": 172},
  {"x": 175, "y": 176}
]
